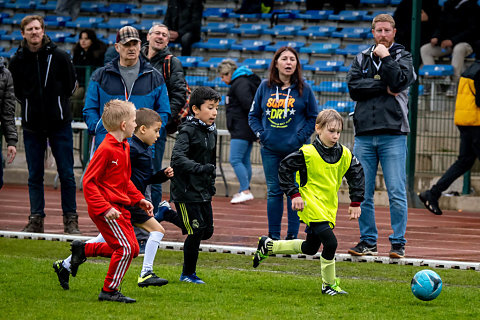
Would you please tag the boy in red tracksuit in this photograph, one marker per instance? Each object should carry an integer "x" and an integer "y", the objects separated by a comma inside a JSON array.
[{"x": 108, "y": 191}]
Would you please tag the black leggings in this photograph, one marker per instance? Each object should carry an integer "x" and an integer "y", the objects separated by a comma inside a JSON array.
[
  {"x": 318, "y": 236},
  {"x": 191, "y": 247}
]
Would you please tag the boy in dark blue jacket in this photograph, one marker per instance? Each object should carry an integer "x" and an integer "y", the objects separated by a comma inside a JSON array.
[{"x": 192, "y": 187}]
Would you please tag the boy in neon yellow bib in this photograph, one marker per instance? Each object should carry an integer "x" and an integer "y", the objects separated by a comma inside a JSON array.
[{"x": 318, "y": 169}]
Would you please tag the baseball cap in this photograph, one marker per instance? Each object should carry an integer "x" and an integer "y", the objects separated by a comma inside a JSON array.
[{"x": 126, "y": 34}]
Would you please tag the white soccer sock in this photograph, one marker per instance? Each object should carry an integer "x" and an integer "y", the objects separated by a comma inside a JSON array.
[
  {"x": 98, "y": 238},
  {"x": 151, "y": 250}
]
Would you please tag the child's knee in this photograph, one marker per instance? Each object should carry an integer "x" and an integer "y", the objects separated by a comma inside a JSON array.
[{"x": 207, "y": 233}]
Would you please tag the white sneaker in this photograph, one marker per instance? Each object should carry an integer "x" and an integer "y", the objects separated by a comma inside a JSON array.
[
  {"x": 241, "y": 197},
  {"x": 165, "y": 203}
]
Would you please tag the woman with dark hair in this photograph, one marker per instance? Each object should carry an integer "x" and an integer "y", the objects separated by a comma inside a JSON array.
[
  {"x": 88, "y": 54},
  {"x": 282, "y": 117}
]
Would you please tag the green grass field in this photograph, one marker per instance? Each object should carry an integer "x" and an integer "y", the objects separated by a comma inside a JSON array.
[{"x": 279, "y": 289}]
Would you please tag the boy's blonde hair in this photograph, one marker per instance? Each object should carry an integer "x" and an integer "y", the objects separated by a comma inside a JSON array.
[
  {"x": 114, "y": 112},
  {"x": 146, "y": 117},
  {"x": 328, "y": 116}
]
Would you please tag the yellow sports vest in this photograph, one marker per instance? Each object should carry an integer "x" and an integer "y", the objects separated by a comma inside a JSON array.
[
  {"x": 466, "y": 111},
  {"x": 320, "y": 193}
]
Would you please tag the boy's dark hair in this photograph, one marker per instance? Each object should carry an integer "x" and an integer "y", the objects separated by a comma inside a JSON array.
[
  {"x": 146, "y": 117},
  {"x": 202, "y": 94}
]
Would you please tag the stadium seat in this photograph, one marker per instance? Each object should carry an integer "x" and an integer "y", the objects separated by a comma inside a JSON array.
[
  {"x": 214, "y": 44},
  {"x": 150, "y": 9},
  {"x": 331, "y": 86},
  {"x": 89, "y": 6},
  {"x": 280, "y": 15},
  {"x": 15, "y": 35},
  {"x": 345, "y": 68},
  {"x": 352, "y": 49},
  {"x": 283, "y": 30},
  {"x": 111, "y": 39},
  {"x": 118, "y": 8},
  {"x": 352, "y": 32},
  {"x": 244, "y": 16},
  {"x": 218, "y": 13},
  {"x": 322, "y": 65},
  {"x": 56, "y": 21},
  {"x": 396, "y": 2},
  {"x": 251, "y": 45},
  {"x": 249, "y": 28},
  {"x": 2, "y": 49},
  {"x": 216, "y": 82},
  {"x": 146, "y": 24},
  {"x": 8, "y": 54},
  {"x": 2, "y": 32},
  {"x": 20, "y": 4},
  {"x": 317, "y": 31},
  {"x": 252, "y": 63},
  {"x": 376, "y": 2},
  {"x": 314, "y": 15},
  {"x": 84, "y": 22},
  {"x": 218, "y": 27},
  {"x": 340, "y": 106},
  {"x": 435, "y": 70},
  {"x": 294, "y": 44},
  {"x": 189, "y": 61},
  {"x": 58, "y": 36},
  {"x": 196, "y": 80},
  {"x": 3, "y": 15},
  {"x": 47, "y": 6},
  {"x": 320, "y": 48},
  {"x": 348, "y": 15},
  {"x": 15, "y": 19},
  {"x": 117, "y": 23},
  {"x": 213, "y": 62}
]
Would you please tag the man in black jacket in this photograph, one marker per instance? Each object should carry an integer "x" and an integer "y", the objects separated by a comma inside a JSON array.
[
  {"x": 44, "y": 79},
  {"x": 184, "y": 19}
]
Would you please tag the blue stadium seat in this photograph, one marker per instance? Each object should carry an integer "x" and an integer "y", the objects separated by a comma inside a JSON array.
[
  {"x": 74, "y": 39},
  {"x": 217, "y": 82},
  {"x": 2, "y": 49},
  {"x": 111, "y": 39},
  {"x": 435, "y": 70},
  {"x": 117, "y": 23},
  {"x": 244, "y": 16},
  {"x": 196, "y": 80},
  {"x": 348, "y": 15},
  {"x": 280, "y": 14},
  {"x": 283, "y": 30},
  {"x": 15, "y": 19},
  {"x": 218, "y": 27},
  {"x": 216, "y": 12},
  {"x": 373, "y": 14},
  {"x": 320, "y": 48},
  {"x": 251, "y": 45},
  {"x": 345, "y": 68},
  {"x": 252, "y": 63},
  {"x": 89, "y": 6},
  {"x": 331, "y": 86},
  {"x": 395, "y": 2},
  {"x": 15, "y": 35},
  {"x": 189, "y": 61},
  {"x": 58, "y": 36},
  {"x": 340, "y": 106},
  {"x": 314, "y": 15},
  {"x": 249, "y": 28},
  {"x": 47, "y": 6},
  {"x": 317, "y": 31},
  {"x": 352, "y": 32},
  {"x": 117, "y": 8},
  {"x": 215, "y": 44},
  {"x": 377, "y": 2},
  {"x": 213, "y": 62},
  {"x": 3, "y": 15},
  {"x": 84, "y": 22},
  {"x": 294, "y": 44},
  {"x": 20, "y": 4},
  {"x": 8, "y": 54},
  {"x": 56, "y": 21},
  {"x": 150, "y": 9},
  {"x": 352, "y": 49},
  {"x": 2, "y": 32},
  {"x": 146, "y": 24},
  {"x": 322, "y": 65}
]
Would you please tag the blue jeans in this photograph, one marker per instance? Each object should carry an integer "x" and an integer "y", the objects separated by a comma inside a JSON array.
[
  {"x": 391, "y": 151},
  {"x": 271, "y": 161},
  {"x": 240, "y": 160},
  {"x": 61, "y": 143},
  {"x": 158, "y": 150}
]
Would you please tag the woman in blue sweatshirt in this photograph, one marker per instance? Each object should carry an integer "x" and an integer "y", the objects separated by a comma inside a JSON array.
[{"x": 282, "y": 117}]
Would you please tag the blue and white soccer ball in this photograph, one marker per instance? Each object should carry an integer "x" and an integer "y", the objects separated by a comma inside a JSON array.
[{"x": 426, "y": 285}]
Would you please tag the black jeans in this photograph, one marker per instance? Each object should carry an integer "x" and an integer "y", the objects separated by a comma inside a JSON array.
[{"x": 469, "y": 151}]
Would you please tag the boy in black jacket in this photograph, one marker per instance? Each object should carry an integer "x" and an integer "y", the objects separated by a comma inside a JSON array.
[{"x": 192, "y": 187}]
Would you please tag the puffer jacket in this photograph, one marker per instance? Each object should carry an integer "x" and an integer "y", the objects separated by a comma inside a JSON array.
[
  {"x": 43, "y": 82},
  {"x": 7, "y": 106},
  {"x": 467, "y": 106},
  {"x": 377, "y": 111}
]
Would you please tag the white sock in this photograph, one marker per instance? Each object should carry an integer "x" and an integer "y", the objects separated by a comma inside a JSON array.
[
  {"x": 98, "y": 238},
  {"x": 150, "y": 251}
]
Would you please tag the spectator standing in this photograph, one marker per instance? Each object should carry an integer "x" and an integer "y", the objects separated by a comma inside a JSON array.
[
  {"x": 7, "y": 116},
  {"x": 378, "y": 81},
  {"x": 44, "y": 79},
  {"x": 455, "y": 35},
  {"x": 89, "y": 53},
  {"x": 403, "y": 21},
  {"x": 467, "y": 119},
  {"x": 243, "y": 85},
  {"x": 68, "y": 8},
  {"x": 184, "y": 20},
  {"x": 282, "y": 117}
]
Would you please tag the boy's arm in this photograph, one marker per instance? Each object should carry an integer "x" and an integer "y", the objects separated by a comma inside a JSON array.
[
  {"x": 356, "y": 182},
  {"x": 286, "y": 173},
  {"x": 158, "y": 177},
  {"x": 181, "y": 161}
]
